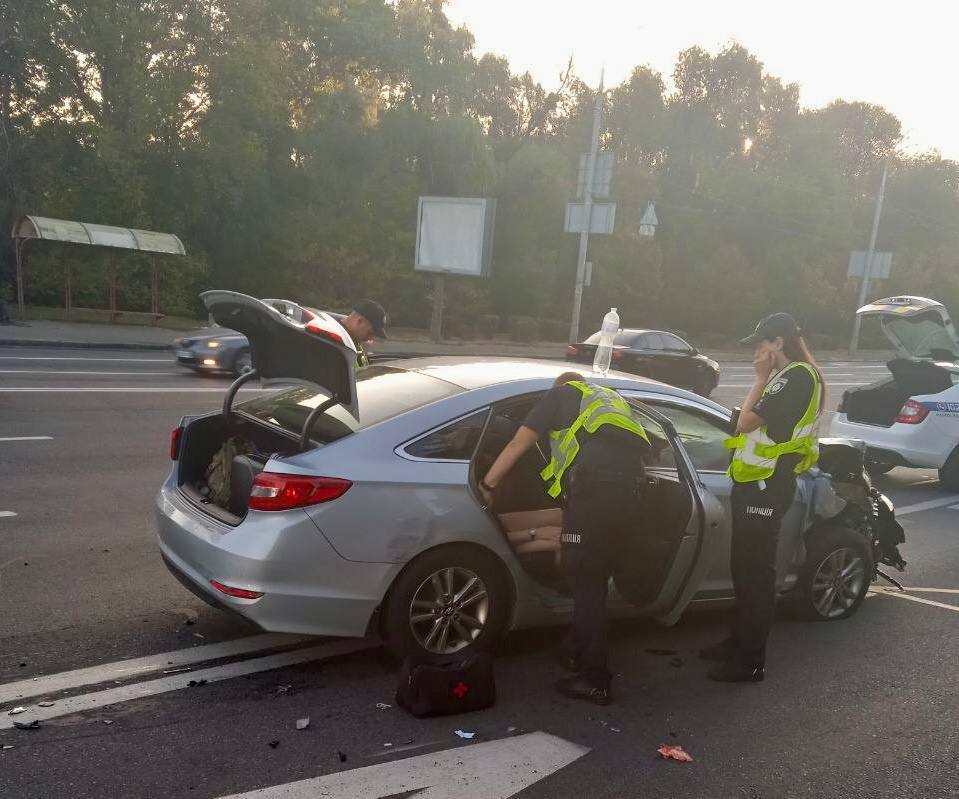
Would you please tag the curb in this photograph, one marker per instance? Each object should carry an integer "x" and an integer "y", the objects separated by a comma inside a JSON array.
[{"x": 81, "y": 345}]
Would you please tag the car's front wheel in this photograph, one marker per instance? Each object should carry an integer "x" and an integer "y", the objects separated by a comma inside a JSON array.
[
  {"x": 452, "y": 599},
  {"x": 836, "y": 575}
]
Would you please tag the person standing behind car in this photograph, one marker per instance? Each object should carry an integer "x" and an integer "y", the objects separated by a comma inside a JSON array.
[
  {"x": 598, "y": 447},
  {"x": 366, "y": 320},
  {"x": 775, "y": 441}
]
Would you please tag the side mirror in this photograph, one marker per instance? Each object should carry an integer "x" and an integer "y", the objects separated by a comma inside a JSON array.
[{"x": 692, "y": 351}]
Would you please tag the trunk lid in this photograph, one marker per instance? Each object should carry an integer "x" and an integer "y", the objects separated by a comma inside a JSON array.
[
  {"x": 917, "y": 327},
  {"x": 289, "y": 343}
]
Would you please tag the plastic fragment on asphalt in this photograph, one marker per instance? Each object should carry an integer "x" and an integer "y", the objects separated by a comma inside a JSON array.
[
  {"x": 511, "y": 729},
  {"x": 467, "y": 735},
  {"x": 387, "y": 744},
  {"x": 107, "y": 721},
  {"x": 27, "y": 725},
  {"x": 675, "y": 752},
  {"x": 17, "y": 711},
  {"x": 274, "y": 744},
  {"x": 382, "y": 705},
  {"x": 176, "y": 671},
  {"x": 662, "y": 652},
  {"x": 47, "y": 704},
  {"x": 302, "y": 724},
  {"x": 8, "y": 746},
  {"x": 199, "y": 635},
  {"x": 615, "y": 729}
]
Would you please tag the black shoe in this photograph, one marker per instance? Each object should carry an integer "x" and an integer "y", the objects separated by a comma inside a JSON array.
[
  {"x": 720, "y": 652},
  {"x": 579, "y": 688},
  {"x": 736, "y": 672}
]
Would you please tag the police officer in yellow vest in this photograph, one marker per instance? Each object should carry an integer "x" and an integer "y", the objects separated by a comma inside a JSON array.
[
  {"x": 775, "y": 441},
  {"x": 597, "y": 446}
]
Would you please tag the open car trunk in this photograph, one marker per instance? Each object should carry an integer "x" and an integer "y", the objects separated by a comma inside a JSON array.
[
  {"x": 879, "y": 403},
  {"x": 219, "y": 458}
]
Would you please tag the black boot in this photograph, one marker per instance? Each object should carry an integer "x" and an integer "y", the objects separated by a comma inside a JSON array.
[
  {"x": 734, "y": 671},
  {"x": 578, "y": 687},
  {"x": 720, "y": 652}
]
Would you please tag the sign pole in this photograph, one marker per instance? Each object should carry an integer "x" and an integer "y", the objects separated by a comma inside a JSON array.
[
  {"x": 867, "y": 267},
  {"x": 588, "y": 207},
  {"x": 436, "y": 321}
]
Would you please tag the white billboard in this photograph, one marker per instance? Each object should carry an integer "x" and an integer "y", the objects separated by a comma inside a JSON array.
[{"x": 454, "y": 235}]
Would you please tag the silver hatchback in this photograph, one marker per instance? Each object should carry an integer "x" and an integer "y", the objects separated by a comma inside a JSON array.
[{"x": 344, "y": 502}]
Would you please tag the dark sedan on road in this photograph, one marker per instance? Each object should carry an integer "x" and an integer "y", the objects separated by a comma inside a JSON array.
[
  {"x": 656, "y": 354},
  {"x": 214, "y": 350}
]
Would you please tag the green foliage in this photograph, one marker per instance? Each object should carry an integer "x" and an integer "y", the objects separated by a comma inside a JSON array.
[{"x": 286, "y": 143}]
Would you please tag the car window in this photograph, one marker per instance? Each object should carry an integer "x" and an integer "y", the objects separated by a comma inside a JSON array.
[
  {"x": 454, "y": 442},
  {"x": 702, "y": 436},
  {"x": 652, "y": 341},
  {"x": 674, "y": 343},
  {"x": 625, "y": 338},
  {"x": 382, "y": 392}
]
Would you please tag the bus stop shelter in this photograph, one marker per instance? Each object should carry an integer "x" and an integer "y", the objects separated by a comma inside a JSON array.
[{"x": 35, "y": 228}]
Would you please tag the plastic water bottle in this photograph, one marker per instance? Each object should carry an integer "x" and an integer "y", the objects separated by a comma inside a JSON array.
[{"x": 607, "y": 335}]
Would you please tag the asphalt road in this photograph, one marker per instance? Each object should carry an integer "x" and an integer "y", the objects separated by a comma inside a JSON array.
[{"x": 862, "y": 708}]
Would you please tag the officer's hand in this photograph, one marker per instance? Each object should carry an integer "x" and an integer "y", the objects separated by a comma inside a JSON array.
[
  {"x": 763, "y": 364},
  {"x": 487, "y": 496}
]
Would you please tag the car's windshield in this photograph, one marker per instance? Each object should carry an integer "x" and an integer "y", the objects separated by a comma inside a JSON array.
[
  {"x": 922, "y": 334},
  {"x": 382, "y": 392}
]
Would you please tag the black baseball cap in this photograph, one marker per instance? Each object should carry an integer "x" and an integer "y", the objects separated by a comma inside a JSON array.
[
  {"x": 772, "y": 326},
  {"x": 373, "y": 311}
]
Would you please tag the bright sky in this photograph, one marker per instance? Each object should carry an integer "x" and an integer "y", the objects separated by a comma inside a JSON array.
[{"x": 902, "y": 55}]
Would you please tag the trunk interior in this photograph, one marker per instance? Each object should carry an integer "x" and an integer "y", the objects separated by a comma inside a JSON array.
[
  {"x": 666, "y": 512},
  {"x": 879, "y": 403},
  {"x": 219, "y": 458}
]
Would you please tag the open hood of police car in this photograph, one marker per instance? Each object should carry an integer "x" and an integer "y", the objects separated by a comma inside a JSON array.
[
  {"x": 916, "y": 326},
  {"x": 290, "y": 344}
]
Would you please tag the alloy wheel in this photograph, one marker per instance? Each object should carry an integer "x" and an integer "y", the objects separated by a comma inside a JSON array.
[
  {"x": 449, "y": 610},
  {"x": 838, "y": 582}
]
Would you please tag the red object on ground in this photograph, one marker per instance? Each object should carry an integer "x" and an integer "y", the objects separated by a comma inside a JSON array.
[
  {"x": 461, "y": 690},
  {"x": 675, "y": 753}
]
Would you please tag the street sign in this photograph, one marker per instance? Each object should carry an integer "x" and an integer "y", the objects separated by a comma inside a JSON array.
[
  {"x": 602, "y": 174},
  {"x": 603, "y": 218},
  {"x": 881, "y": 265},
  {"x": 454, "y": 235}
]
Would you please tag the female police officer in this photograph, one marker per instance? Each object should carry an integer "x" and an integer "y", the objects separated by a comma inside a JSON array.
[
  {"x": 598, "y": 446},
  {"x": 775, "y": 441}
]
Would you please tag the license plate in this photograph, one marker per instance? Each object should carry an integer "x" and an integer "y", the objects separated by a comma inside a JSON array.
[{"x": 184, "y": 354}]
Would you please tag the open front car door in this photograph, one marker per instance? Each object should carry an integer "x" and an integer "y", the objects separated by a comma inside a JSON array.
[{"x": 678, "y": 533}]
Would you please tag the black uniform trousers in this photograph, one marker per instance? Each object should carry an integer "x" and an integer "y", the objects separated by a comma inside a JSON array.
[
  {"x": 757, "y": 515},
  {"x": 602, "y": 511}
]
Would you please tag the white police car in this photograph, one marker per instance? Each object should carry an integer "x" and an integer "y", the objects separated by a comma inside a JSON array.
[{"x": 912, "y": 417}]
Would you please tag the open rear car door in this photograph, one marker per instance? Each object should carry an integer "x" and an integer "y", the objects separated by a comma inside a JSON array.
[
  {"x": 290, "y": 344},
  {"x": 677, "y": 533}
]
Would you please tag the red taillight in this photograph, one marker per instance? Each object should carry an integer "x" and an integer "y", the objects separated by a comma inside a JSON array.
[
  {"x": 912, "y": 413},
  {"x": 239, "y": 593},
  {"x": 175, "y": 443},
  {"x": 272, "y": 491},
  {"x": 571, "y": 350},
  {"x": 315, "y": 326},
  {"x": 618, "y": 355}
]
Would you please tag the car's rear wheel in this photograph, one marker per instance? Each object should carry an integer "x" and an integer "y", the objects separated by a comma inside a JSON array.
[
  {"x": 451, "y": 600},
  {"x": 836, "y": 575},
  {"x": 949, "y": 472},
  {"x": 878, "y": 469},
  {"x": 243, "y": 363}
]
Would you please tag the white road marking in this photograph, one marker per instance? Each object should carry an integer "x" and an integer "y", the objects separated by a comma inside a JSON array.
[
  {"x": 931, "y": 504},
  {"x": 137, "y": 667},
  {"x": 176, "y": 682},
  {"x": 491, "y": 770},
  {"x": 116, "y": 360},
  {"x": 934, "y": 590},
  {"x": 920, "y": 600},
  {"x": 6, "y": 514},
  {"x": 120, "y": 390},
  {"x": 27, "y": 438},
  {"x": 52, "y": 372}
]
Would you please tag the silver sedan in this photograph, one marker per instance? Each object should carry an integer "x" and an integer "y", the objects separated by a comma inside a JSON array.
[{"x": 345, "y": 502}]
